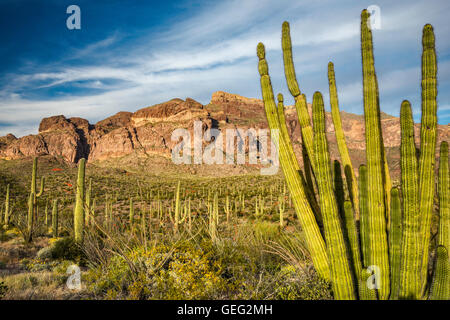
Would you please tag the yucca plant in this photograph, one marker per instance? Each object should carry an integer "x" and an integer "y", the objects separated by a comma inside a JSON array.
[{"x": 374, "y": 245}]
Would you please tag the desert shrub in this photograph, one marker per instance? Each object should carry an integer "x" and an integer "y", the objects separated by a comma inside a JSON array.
[
  {"x": 160, "y": 272},
  {"x": 294, "y": 284}
]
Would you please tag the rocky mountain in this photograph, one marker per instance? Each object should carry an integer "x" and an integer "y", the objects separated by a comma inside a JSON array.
[{"x": 148, "y": 131}]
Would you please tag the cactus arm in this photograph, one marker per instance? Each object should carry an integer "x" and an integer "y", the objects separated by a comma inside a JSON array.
[
  {"x": 307, "y": 186},
  {"x": 395, "y": 240},
  {"x": 374, "y": 151},
  {"x": 79, "y": 203},
  {"x": 131, "y": 217},
  {"x": 41, "y": 190},
  {"x": 314, "y": 239},
  {"x": 289, "y": 69},
  {"x": 410, "y": 248},
  {"x": 427, "y": 143},
  {"x": 340, "y": 137},
  {"x": 340, "y": 271}
]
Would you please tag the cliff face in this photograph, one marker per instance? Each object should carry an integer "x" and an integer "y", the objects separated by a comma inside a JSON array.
[{"x": 149, "y": 130}]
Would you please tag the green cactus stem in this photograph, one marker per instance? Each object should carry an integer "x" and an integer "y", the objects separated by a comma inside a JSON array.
[
  {"x": 428, "y": 130},
  {"x": 395, "y": 240},
  {"x": 375, "y": 162},
  {"x": 79, "y": 203},
  {"x": 55, "y": 218},
  {"x": 340, "y": 138},
  {"x": 444, "y": 197},
  {"x": 314, "y": 239},
  {"x": 341, "y": 276},
  {"x": 32, "y": 201},
  {"x": 410, "y": 243},
  {"x": 7, "y": 209}
]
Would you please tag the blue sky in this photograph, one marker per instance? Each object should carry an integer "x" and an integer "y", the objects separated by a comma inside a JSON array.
[{"x": 132, "y": 54}]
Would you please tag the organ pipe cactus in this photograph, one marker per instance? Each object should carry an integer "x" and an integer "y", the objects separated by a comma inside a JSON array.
[
  {"x": 428, "y": 132},
  {"x": 79, "y": 203},
  {"x": 32, "y": 200},
  {"x": 388, "y": 258},
  {"x": 340, "y": 274},
  {"x": 340, "y": 137}
]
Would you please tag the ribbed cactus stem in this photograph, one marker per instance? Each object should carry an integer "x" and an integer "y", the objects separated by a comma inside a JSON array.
[
  {"x": 352, "y": 234},
  {"x": 79, "y": 203},
  {"x": 375, "y": 161},
  {"x": 340, "y": 138},
  {"x": 88, "y": 204},
  {"x": 55, "y": 218},
  {"x": 444, "y": 197},
  {"x": 289, "y": 69},
  {"x": 32, "y": 200},
  {"x": 440, "y": 287},
  {"x": 131, "y": 217},
  {"x": 410, "y": 243},
  {"x": 7, "y": 209},
  {"x": 364, "y": 218},
  {"x": 314, "y": 239},
  {"x": 428, "y": 130},
  {"x": 395, "y": 240},
  {"x": 341, "y": 276}
]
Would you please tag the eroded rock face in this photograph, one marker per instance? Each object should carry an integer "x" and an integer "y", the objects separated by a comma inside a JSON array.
[{"x": 149, "y": 130}]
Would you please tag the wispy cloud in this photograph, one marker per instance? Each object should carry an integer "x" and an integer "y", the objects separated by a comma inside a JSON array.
[{"x": 213, "y": 48}]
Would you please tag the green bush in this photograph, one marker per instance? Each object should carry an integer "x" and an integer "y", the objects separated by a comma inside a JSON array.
[{"x": 160, "y": 272}]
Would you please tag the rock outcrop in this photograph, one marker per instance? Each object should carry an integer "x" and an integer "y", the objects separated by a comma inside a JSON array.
[{"x": 149, "y": 130}]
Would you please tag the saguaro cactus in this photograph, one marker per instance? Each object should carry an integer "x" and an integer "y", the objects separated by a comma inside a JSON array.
[
  {"x": 79, "y": 203},
  {"x": 7, "y": 210},
  {"x": 32, "y": 200},
  {"x": 55, "y": 218}
]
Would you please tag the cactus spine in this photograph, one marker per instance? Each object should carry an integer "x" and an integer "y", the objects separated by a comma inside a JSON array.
[
  {"x": 375, "y": 162},
  {"x": 32, "y": 200},
  {"x": 427, "y": 144},
  {"x": 79, "y": 203},
  {"x": 340, "y": 273},
  {"x": 314, "y": 239}
]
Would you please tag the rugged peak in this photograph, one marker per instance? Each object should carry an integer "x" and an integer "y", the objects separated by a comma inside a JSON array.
[
  {"x": 54, "y": 123},
  {"x": 79, "y": 122},
  {"x": 221, "y": 97},
  {"x": 120, "y": 119},
  {"x": 174, "y": 109}
]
